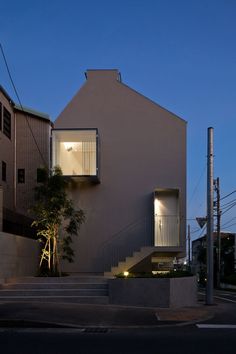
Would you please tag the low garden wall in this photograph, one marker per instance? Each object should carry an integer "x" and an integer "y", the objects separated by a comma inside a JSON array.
[
  {"x": 153, "y": 292},
  {"x": 19, "y": 256},
  {"x": 227, "y": 286}
]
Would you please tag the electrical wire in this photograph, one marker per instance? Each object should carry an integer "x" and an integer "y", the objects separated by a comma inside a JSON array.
[
  {"x": 197, "y": 184},
  {"x": 25, "y": 114},
  {"x": 231, "y": 225},
  {"x": 228, "y": 208},
  {"x": 226, "y": 196},
  {"x": 234, "y": 200},
  {"x": 229, "y": 221}
]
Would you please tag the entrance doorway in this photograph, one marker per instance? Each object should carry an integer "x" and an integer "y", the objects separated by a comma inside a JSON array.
[{"x": 166, "y": 216}]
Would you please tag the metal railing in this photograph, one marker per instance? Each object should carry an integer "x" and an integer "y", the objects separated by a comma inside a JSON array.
[
  {"x": 124, "y": 243},
  {"x": 167, "y": 230}
]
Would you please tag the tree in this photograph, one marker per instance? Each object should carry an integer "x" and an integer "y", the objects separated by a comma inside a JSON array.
[{"x": 56, "y": 220}]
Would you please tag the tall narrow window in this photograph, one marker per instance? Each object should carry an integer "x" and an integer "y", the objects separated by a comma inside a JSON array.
[
  {"x": 21, "y": 175},
  {"x": 6, "y": 122},
  {"x": 0, "y": 116},
  {"x": 4, "y": 171}
]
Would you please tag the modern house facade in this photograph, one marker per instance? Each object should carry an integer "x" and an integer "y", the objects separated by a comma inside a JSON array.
[
  {"x": 125, "y": 159},
  {"x": 24, "y": 148}
]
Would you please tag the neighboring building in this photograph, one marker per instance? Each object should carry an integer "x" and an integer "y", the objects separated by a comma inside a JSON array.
[
  {"x": 228, "y": 254},
  {"x": 125, "y": 158},
  {"x": 24, "y": 147}
]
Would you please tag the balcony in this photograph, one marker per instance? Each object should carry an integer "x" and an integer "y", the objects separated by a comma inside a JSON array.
[
  {"x": 166, "y": 218},
  {"x": 76, "y": 152}
]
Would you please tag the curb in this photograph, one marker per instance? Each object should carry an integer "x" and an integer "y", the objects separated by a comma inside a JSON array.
[{"x": 71, "y": 326}]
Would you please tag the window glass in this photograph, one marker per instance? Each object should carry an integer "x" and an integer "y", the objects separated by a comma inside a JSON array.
[
  {"x": 75, "y": 151},
  {"x": 6, "y": 122},
  {"x": 4, "y": 171},
  {"x": 21, "y": 175}
]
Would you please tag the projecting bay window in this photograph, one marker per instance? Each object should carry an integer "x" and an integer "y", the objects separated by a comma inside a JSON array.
[{"x": 76, "y": 152}]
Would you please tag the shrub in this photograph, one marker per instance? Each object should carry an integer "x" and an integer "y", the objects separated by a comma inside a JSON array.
[
  {"x": 230, "y": 279},
  {"x": 170, "y": 274}
]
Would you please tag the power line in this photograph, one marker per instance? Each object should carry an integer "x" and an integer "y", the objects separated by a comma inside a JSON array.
[
  {"x": 227, "y": 206},
  {"x": 25, "y": 114},
  {"x": 226, "y": 196},
  {"x": 197, "y": 184},
  {"x": 231, "y": 225},
  {"x": 230, "y": 207},
  {"x": 233, "y": 200},
  {"x": 229, "y": 221}
]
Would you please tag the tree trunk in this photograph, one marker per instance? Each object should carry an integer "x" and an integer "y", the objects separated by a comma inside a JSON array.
[{"x": 55, "y": 250}]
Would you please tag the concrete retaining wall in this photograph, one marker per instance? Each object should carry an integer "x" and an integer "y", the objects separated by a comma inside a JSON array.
[
  {"x": 151, "y": 292},
  {"x": 19, "y": 256},
  {"x": 227, "y": 286}
]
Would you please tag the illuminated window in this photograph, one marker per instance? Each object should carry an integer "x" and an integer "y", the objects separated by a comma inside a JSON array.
[{"x": 76, "y": 151}]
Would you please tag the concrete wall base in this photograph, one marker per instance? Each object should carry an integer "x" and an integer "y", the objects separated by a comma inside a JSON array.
[
  {"x": 227, "y": 286},
  {"x": 19, "y": 256},
  {"x": 152, "y": 292}
]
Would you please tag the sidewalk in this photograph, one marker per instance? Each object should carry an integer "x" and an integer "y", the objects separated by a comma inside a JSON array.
[{"x": 98, "y": 316}]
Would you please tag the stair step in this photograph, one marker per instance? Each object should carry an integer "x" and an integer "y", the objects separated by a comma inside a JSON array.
[
  {"x": 130, "y": 261},
  {"x": 54, "y": 292},
  {"x": 66, "y": 279},
  {"x": 71, "y": 289},
  {"x": 100, "y": 300},
  {"x": 24, "y": 286}
]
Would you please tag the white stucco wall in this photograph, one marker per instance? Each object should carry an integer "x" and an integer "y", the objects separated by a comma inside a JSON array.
[{"x": 142, "y": 148}]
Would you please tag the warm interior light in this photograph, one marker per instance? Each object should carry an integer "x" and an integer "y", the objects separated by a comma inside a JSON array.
[
  {"x": 69, "y": 146},
  {"x": 158, "y": 207},
  {"x": 154, "y": 272},
  {"x": 73, "y": 146},
  {"x": 126, "y": 274}
]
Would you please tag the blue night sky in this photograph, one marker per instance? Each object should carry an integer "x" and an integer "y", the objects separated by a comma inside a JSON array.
[{"x": 179, "y": 53}]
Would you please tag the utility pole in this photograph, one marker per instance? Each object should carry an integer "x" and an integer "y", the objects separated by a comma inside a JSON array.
[
  {"x": 210, "y": 182},
  {"x": 189, "y": 238},
  {"x": 218, "y": 236}
]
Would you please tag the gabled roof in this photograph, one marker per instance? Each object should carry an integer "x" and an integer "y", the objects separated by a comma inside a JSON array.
[
  {"x": 24, "y": 109},
  {"x": 31, "y": 111},
  {"x": 116, "y": 75},
  {"x": 4, "y": 92}
]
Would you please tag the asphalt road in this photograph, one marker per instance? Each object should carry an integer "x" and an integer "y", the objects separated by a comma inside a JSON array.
[
  {"x": 217, "y": 335},
  {"x": 190, "y": 340}
]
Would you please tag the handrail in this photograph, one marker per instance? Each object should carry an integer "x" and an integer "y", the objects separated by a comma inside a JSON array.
[
  {"x": 118, "y": 234},
  {"x": 128, "y": 240}
]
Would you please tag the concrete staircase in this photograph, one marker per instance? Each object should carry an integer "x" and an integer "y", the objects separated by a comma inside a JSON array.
[
  {"x": 131, "y": 261},
  {"x": 77, "y": 289}
]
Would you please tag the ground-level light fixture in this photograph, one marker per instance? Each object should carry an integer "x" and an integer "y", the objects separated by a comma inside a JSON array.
[{"x": 126, "y": 273}]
